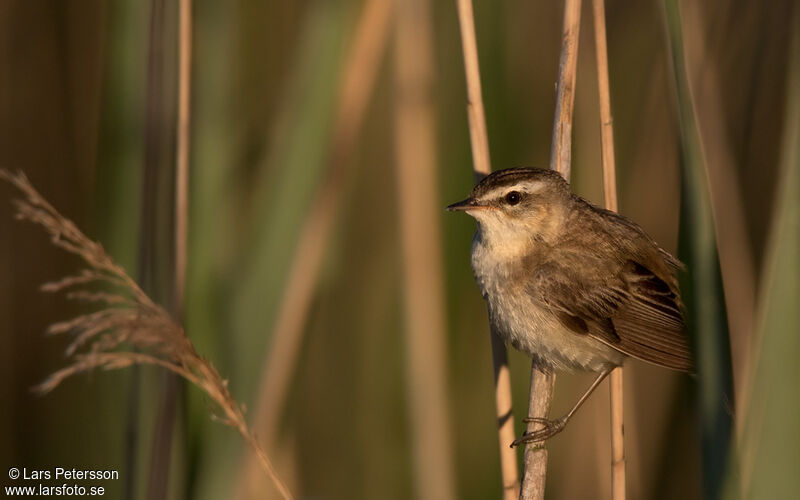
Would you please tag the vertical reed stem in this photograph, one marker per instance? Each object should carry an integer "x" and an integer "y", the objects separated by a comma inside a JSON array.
[
  {"x": 561, "y": 146},
  {"x": 610, "y": 195},
  {"x": 356, "y": 86},
  {"x": 606, "y": 120},
  {"x": 534, "y": 475},
  {"x": 182, "y": 153},
  {"x": 355, "y": 90},
  {"x": 543, "y": 380},
  {"x": 479, "y": 138},
  {"x": 415, "y": 150},
  {"x": 617, "y": 436},
  {"x": 482, "y": 167},
  {"x": 155, "y": 131},
  {"x": 173, "y": 386}
]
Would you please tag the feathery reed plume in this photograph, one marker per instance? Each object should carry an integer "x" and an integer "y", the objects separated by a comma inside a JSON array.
[
  {"x": 482, "y": 167},
  {"x": 543, "y": 380},
  {"x": 610, "y": 195},
  {"x": 129, "y": 329}
]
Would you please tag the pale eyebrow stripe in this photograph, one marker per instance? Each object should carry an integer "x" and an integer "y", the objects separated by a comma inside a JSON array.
[{"x": 531, "y": 187}]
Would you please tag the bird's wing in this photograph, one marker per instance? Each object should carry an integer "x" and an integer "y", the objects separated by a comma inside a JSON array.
[{"x": 633, "y": 311}]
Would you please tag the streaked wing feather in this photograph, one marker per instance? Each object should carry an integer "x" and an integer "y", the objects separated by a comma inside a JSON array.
[{"x": 636, "y": 313}]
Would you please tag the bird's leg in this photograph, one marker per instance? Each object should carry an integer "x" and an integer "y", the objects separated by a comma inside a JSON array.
[{"x": 552, "y": 427}]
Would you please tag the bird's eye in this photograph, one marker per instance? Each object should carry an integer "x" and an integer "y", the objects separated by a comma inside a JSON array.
[{"x": 512, "y": 198}]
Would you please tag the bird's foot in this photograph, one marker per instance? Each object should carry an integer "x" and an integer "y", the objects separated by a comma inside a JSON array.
[{"x": 549, "y": 428}]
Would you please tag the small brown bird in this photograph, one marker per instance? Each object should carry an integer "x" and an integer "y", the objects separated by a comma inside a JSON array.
[{"x": 573, "y": 285}]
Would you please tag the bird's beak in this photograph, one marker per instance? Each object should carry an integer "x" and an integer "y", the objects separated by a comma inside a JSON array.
[{"x": 465, "y": 206}]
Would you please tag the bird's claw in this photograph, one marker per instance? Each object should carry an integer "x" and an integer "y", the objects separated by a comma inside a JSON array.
[
  {"x": 537, "y": 420},
  {"x": 549, "y": 429}
]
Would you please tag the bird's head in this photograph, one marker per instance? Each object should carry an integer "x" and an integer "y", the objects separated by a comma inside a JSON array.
[{"x": 517, "y": 205}]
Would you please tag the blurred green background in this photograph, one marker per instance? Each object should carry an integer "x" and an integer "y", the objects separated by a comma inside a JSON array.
[{"x": 706, "y": 106}]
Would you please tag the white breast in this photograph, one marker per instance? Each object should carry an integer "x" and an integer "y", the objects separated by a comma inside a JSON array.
[{"x": 528, "y": 325}]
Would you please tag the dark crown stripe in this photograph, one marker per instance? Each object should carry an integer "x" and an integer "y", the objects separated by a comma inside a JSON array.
[{"x": 512, "y": 176}]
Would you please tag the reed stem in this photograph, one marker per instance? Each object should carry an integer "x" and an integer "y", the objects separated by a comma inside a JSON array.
[
  {"x": 610, "y": 195},
  {"x": 423, "y": 287},
  {"x": 543, "y": 380},
  {"x": 355, "y": 90},
  {"x": 482, "y": 167}
]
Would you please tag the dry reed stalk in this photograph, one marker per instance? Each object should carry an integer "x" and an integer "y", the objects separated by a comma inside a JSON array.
[
  {"x": 149, "y": 256},
  {"x": 130, "y": 329},
  {"x": 534, "y": 472},
  {"x": 415, "y": 149},
  {"x": 357, "y": 85},
  {"x": 152, "y": 141},
  {"x": 160, "y": 465},
  {"x": 561, "y": 145},
  {"x": 617, "y": 435},
  {"x": 479, "y": 138},
  {"x": 737, "y": 264},
  {"x": 482, "y": 166},
  {"x": 182, "y": 152},
  {"x": 543, "y": 380},
  {"x": 604, "y": 94},
  {"x": 355, "y": 88},
  {"x": 610, "y": 196}
]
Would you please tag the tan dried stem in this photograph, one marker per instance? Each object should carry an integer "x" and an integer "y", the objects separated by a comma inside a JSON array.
[
  {"x": 606, "y": 120},
  {"x": 534, "y": 475},
  {"x": 482, "y": 167},
  {"x": 415, "y": 150},
  {"x": 479, "y": 138},
  {"x": 561, "y": 144},
  {"x": 131, "y": 329},
  {"x": 542, "y": 380},
  {"x": 161, "y": 451},
  {"x": 610, "y": 195},
  {"x": 355, "y": 89},
  {"x": 618, "y": 468},
  {"x": 182, "y": 152}
]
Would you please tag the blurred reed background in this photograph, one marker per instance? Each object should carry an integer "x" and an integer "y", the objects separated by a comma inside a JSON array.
[{"x": 326, "y": 137}]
